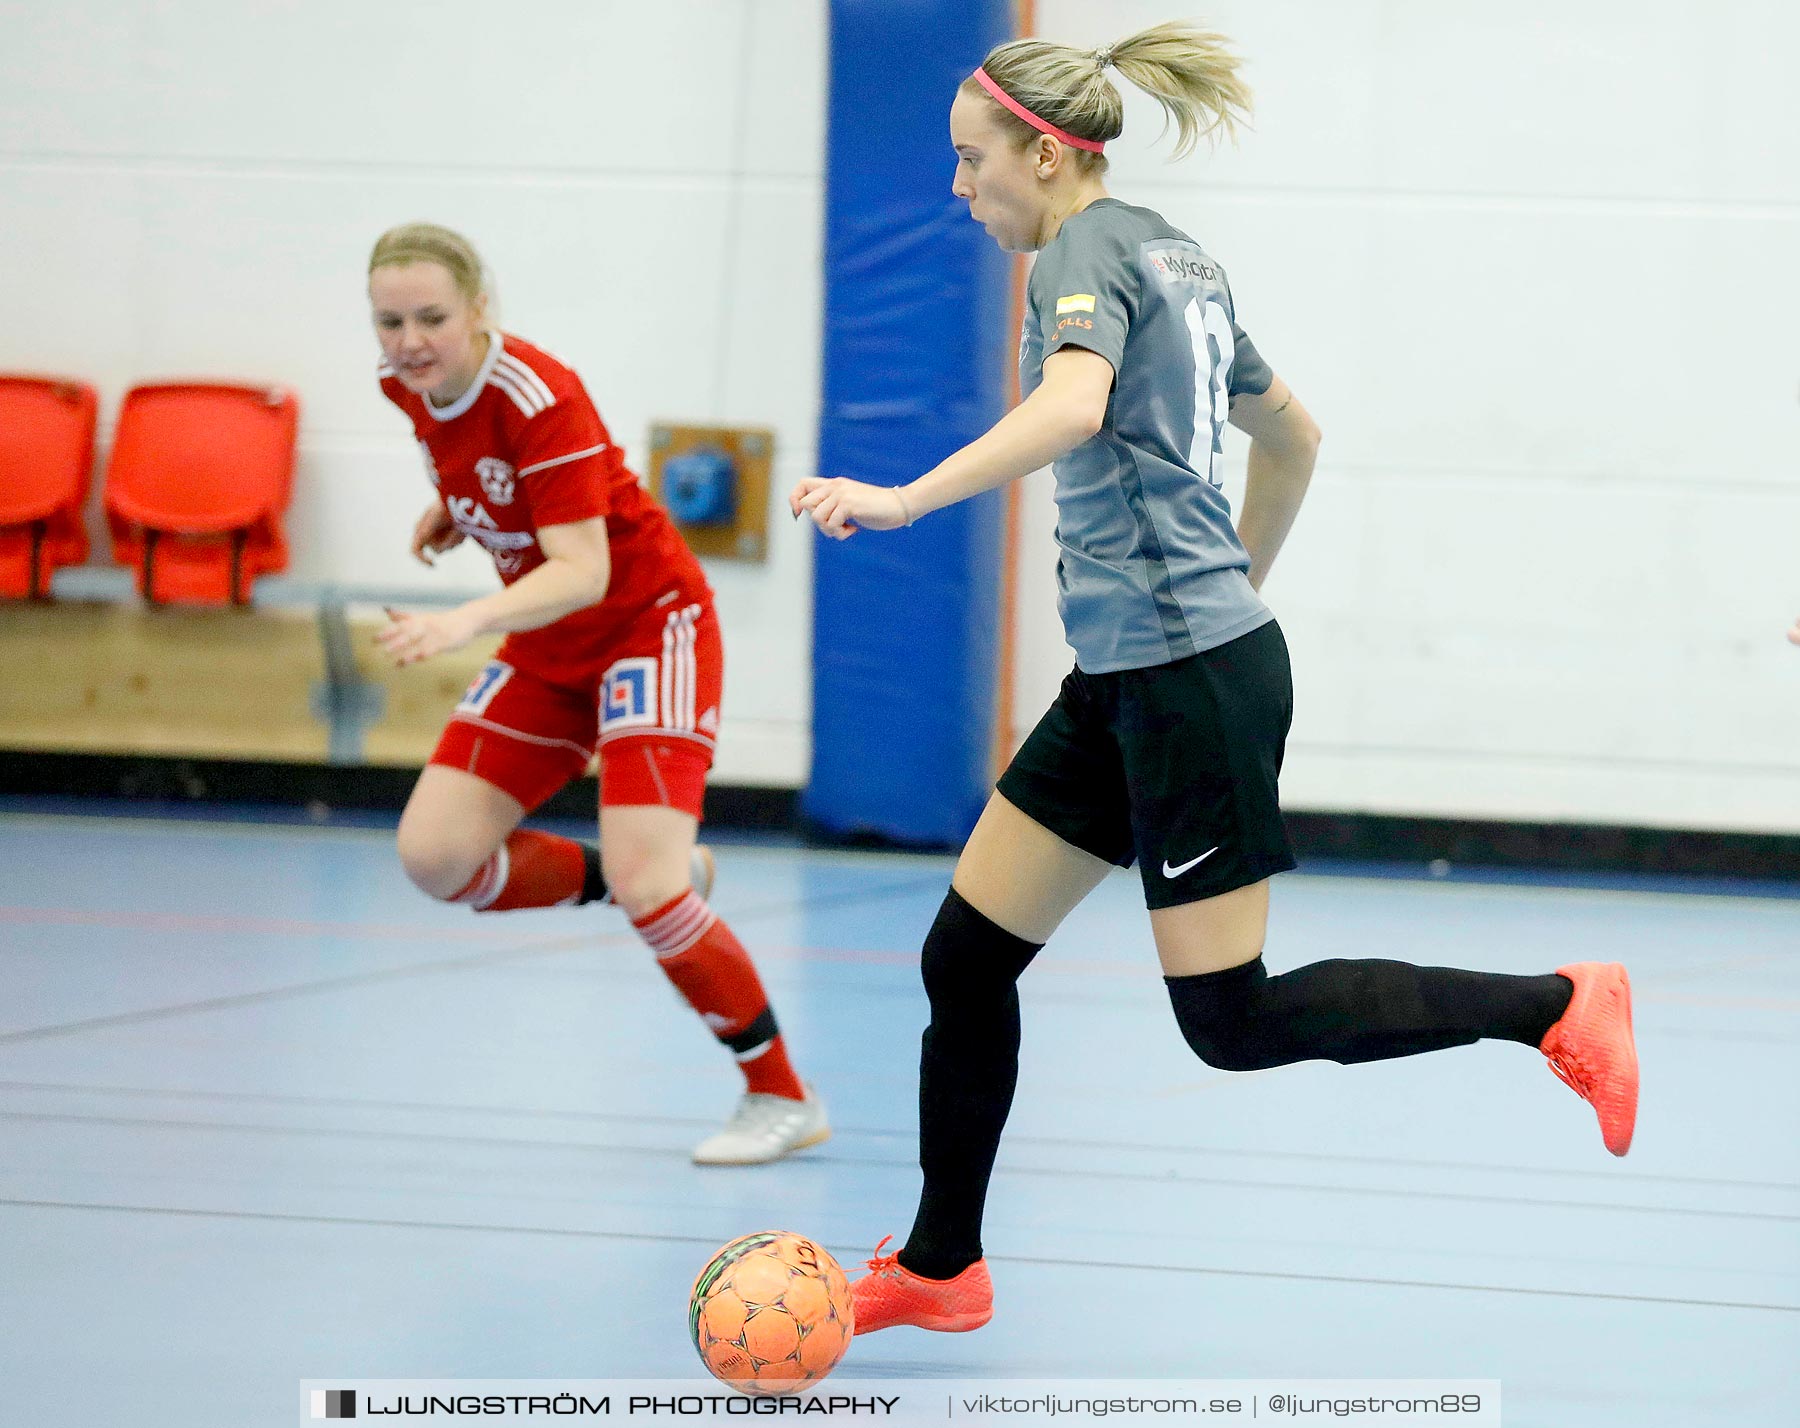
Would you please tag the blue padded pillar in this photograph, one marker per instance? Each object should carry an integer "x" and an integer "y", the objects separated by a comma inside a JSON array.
[{"x": 906, "y": 625}]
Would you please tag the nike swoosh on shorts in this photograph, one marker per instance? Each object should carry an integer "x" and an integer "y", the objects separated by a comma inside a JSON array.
[{"x": 1169, "y": 872}]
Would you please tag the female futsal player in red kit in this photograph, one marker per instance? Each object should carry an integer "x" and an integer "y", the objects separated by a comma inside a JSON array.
[{"x": 612, "y": 645}]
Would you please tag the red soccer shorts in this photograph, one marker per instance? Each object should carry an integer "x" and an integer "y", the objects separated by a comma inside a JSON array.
[{"x": 652, "y": 714}]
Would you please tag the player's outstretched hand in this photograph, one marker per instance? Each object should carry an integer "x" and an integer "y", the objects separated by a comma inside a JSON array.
[
  {"x": 411, "y": 638},
  {"x": 1794, "y": 634},
  {"x": 840, "y": 507},
  {"x": 434, "y": 534}
]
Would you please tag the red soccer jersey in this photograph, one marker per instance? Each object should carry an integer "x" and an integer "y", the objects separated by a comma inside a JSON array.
[{"x": 524, "y": 448}]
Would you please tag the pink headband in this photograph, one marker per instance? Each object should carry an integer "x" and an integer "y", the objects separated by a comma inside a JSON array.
[{"x": 986, "y": 81}]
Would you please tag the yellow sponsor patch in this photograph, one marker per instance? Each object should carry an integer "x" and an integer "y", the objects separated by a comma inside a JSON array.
[{"x": 1075, "y": 302}]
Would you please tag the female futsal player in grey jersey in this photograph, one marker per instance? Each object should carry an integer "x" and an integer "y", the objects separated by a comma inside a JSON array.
[{"x": 1166, "y": 738}]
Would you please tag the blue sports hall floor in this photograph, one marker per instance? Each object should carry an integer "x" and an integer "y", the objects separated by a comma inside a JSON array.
[{"x": 267, "y": 1114}]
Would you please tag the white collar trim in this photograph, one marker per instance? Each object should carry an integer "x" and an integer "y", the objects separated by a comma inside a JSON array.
[{"x": 496, "y": 346}]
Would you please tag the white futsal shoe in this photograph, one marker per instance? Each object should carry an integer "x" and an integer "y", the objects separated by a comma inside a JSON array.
[{"x": 765, "y": 1128}]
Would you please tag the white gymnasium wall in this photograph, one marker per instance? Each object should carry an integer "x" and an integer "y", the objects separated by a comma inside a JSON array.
[
  {"x": 1533, "y": 268},
  {"x": 192, "y": 189}
]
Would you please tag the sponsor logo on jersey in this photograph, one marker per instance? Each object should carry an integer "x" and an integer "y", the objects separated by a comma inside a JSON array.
[
  {"x": 496, "y": 479},
  {"x": 472, "y": 520},
  {"x": 1086, "y": 323},
  {"x": 1183, "y": 267},
  {"x": 1075, "y": 302},
  {"x": 470, "y": 514}
]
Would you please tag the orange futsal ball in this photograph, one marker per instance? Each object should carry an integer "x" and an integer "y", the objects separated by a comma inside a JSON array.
[{"x": 771, "y": 1313}]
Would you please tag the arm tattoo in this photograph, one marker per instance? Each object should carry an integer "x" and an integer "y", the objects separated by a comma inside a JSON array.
[{"x": 1283, "y": 407}]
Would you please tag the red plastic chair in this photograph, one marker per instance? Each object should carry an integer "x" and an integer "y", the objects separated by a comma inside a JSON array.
[
  {"x": 46, "y": 464},
  {"x": 197, "y": 485}
]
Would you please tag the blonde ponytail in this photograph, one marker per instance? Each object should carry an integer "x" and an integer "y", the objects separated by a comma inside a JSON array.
[{"x": 1191, "y": 73}]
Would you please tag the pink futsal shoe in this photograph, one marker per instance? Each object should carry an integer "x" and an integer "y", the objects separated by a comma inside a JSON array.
[
  {"x": 1592, "y": 1050},
  {"x": 891, "y": 1294}
]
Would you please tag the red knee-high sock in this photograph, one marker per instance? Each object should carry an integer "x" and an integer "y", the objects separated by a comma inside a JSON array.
[
  {"x": 714, "y": 974},
  {"x": 531, "y": 869}
]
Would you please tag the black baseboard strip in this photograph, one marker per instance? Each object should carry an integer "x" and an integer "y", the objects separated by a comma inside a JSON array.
[
  {"x": 1565, "y": 847},
  {"x": 320, "y": 786},
  {"x": 1356, "y": 837}
]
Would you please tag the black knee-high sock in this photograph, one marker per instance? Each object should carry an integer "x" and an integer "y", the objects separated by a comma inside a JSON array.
[
  {"x": 1243, "y": 1019},
  {"x": 968, "y": 1067}
]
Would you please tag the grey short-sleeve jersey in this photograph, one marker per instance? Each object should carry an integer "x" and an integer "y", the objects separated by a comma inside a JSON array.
[{"x": 1151, "y": 569}]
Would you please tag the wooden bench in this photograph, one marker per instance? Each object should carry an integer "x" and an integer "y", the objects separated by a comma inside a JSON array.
[{"x": 297, "y": 678}]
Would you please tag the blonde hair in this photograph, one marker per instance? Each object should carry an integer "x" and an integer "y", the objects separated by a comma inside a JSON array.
[
  {"x": 431, "y": 243},
  {"x": 1189, "y": 72}
]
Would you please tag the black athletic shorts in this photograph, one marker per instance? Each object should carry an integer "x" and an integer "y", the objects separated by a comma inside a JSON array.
[{"x": 1174, "y": 765}]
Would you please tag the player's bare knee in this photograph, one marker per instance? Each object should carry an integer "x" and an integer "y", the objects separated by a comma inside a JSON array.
[
  {"x": 435, "y": 865},
  {"x": 640, "y": 884}
]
